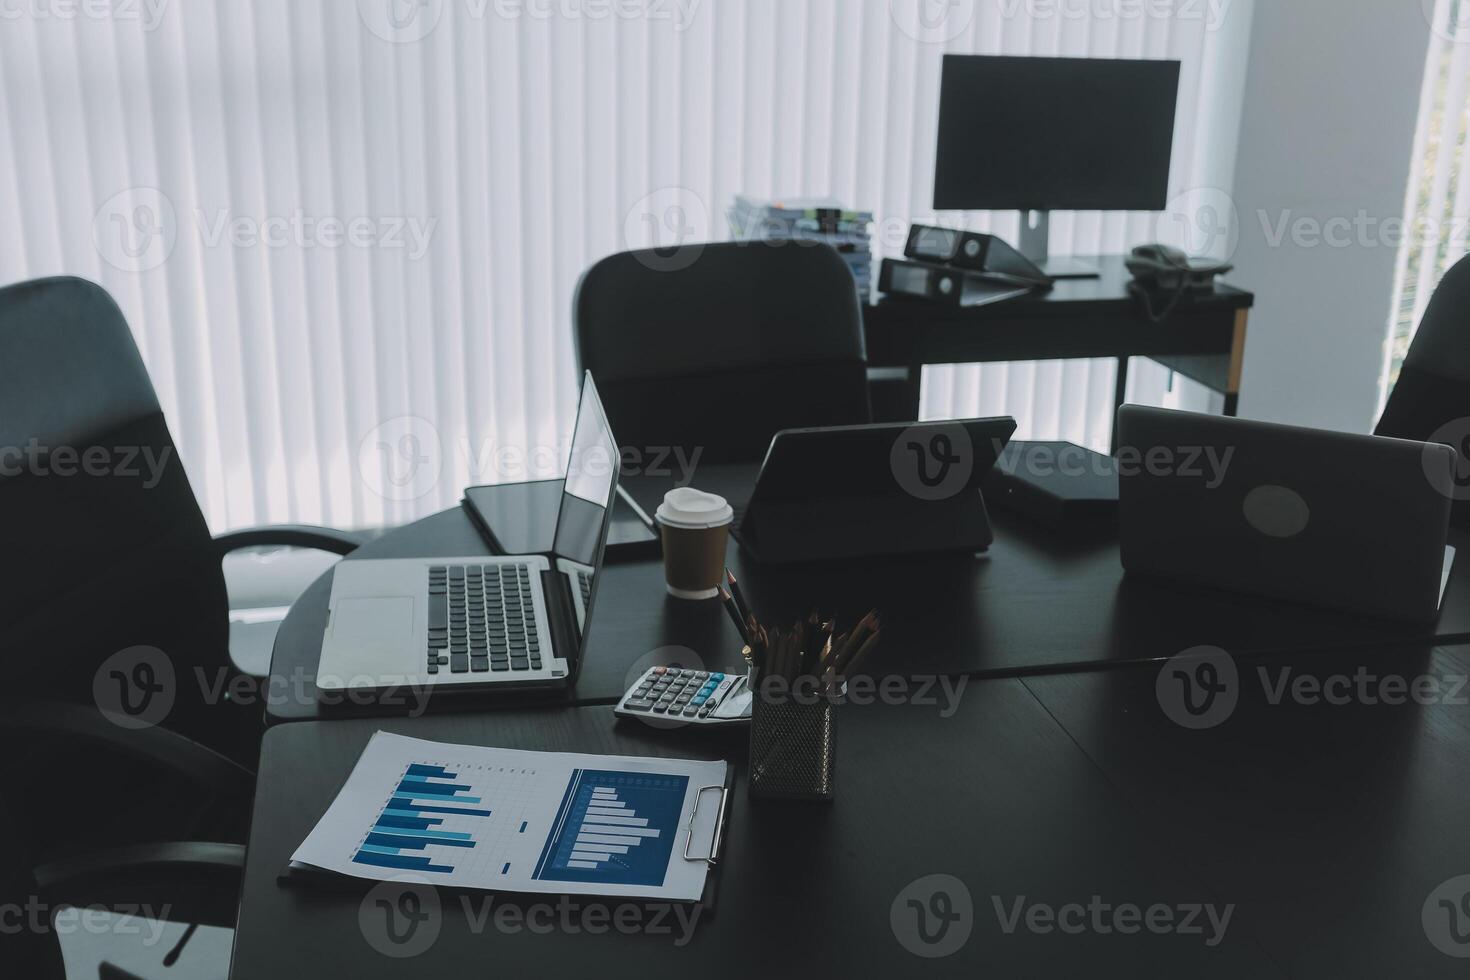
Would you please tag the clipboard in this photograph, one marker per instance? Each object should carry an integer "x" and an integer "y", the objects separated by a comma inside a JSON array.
[{"x": 687, "y": 847}]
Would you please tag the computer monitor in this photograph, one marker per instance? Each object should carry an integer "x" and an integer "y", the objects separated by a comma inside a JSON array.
[{"x": 1049, "y": 134}]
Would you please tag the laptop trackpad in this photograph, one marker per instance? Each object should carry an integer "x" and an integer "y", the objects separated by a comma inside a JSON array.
[{"x": 374, "y": 623}]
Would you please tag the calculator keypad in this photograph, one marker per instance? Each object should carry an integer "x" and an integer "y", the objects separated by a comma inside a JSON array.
[{"x": 678, "y": 693}]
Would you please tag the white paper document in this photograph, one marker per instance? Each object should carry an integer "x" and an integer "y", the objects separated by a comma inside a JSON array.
[{"x": 465, "y": 816}]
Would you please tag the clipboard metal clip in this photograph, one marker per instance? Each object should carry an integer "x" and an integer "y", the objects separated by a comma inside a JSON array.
[{"x": 714, "y": 848}]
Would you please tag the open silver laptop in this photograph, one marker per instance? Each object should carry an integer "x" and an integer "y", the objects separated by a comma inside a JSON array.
[
  {"x": 1355, "y": 522},
  {"x": 481, "y": 622}
]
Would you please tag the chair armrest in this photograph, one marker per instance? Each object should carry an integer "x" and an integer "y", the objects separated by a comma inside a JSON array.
[
  {"x": 186, "y": 881},
  {"x": 331, "y": 539},
  {"x": 202, "y": 766}
]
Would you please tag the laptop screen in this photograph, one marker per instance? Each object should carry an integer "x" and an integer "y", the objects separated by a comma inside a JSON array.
[{"x": 591, "y": 483}]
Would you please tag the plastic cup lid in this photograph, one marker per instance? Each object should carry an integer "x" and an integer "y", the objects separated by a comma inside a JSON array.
[{"x": 688, "y": 507}]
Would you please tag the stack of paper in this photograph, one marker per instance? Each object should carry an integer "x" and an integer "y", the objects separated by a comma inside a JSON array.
[{"x": 819, "y": 219}]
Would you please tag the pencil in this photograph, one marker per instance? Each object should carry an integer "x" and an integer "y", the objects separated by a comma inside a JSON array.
[
  {"x": 855, "y": 639},
  {"x": 729, "y": 604},
  {"x": 856, "y": 652},
  {"x": 740, "y": 602}
]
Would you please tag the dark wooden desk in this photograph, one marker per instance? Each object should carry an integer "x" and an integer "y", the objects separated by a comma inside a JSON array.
[
  {"x": 1035, "y": 603},
  {"x": 1203, "y": 340},
  {"x": 994, "y": 795},
  {"x": 1329, "y": 824}
]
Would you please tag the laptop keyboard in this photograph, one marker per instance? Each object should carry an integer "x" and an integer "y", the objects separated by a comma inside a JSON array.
[
  {"x": 482, "y": 620},
  {"x": 584, "y": 583}
]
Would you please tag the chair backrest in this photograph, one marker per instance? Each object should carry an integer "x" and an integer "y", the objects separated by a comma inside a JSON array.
[
  {"x": 720, "y": 354},
  {"x": 1433, "y": 389},
  {"x": 105, "y": 546}
]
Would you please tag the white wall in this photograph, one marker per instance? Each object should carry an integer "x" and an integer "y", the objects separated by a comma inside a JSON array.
[{"x": 1331, "y": 100}]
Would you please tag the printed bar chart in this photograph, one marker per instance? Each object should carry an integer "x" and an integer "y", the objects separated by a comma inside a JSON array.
[
  {"x": 614, "y": 827},
  {"x": 426, "y": 798}
]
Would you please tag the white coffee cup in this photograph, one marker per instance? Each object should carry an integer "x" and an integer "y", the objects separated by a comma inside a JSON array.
[{"x": 695, "y": 527}]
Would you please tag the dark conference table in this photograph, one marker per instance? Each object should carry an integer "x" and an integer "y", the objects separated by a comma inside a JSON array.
[
  {"x": 1323, "y": 807},
  {"x": 1329, "y": 832},
  {"x": 1034, "y": 603},
  {"x": 804, "y": 890}
]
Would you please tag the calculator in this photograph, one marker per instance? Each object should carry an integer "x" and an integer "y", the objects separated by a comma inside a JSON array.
[{"x": 681, "y": 696}]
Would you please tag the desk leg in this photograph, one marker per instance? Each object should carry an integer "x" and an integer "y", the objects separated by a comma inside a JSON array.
[
  {"x": 1120, "y": 392},
  {"x": 1237, "y": 363}
]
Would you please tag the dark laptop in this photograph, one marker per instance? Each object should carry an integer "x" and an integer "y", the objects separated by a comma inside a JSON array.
[{"x": 1350, "y": 521}]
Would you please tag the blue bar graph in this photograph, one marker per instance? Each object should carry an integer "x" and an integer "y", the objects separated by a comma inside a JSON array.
[
  {"x": 614, "y": 827},
  {"x": 401, "y": 805},
  {"x": 407, "y": 823},
  {"x": 410, "y": 788},
  {"x": 404, "y": 824},
  {"x": 399, "y": 861}
]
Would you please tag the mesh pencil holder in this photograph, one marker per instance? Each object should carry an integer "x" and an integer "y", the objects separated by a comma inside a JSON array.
[{"x": 793, "y": 747}]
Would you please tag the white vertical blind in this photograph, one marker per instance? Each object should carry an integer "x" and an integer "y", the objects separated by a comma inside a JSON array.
[
  {"x": 347, "y": 235},
  {"x": 1437, "y": 205}
]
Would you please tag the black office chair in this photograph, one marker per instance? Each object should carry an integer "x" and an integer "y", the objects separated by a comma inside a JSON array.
[
  {"x": 196, "y": 883},
  {"x": 748, "y": 339},
  {"x": 105, "y": 554},
  {"x": 1433, "y": 388}
]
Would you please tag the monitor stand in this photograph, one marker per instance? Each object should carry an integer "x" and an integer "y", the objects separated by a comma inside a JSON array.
[{"x": 1035, "y": 244}]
